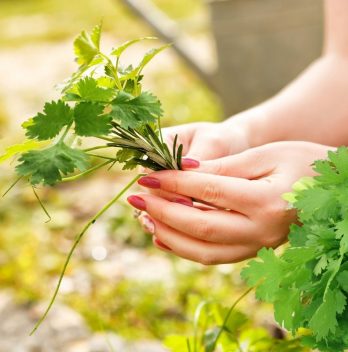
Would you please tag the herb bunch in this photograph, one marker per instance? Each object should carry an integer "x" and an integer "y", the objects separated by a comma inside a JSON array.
[
  {"x": 308, "y": 283},
  {"x": 103, "y": 101}
]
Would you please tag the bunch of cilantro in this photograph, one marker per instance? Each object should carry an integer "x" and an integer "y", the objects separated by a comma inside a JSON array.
[
  {"x": 308, "y": 282},
  {"x": 103, "y": 102}
]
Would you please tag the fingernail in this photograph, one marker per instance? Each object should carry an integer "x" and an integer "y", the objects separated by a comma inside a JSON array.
[
  {"x": 149, "y": 182},
  {"x": 137, "y": 202},
  {"x": 188, "y": 163},
  {"x": 161, "y": 244},
  {"x": 183, "y": 202},
  {"x": 147, "y": 224}
]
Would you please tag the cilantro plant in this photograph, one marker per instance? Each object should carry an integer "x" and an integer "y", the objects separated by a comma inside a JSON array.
[
  {"x": 103, "y": 101},
  {"x": 308, "y": 283}
]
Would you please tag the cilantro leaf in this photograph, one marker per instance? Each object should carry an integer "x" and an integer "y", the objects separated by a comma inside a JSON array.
[
  {"x": 48, "y": 165},
  {"x": 88, "y": 90},
  {"x": 47, "y": 125},
  {"x": 268, "y": 273},
  {"x": 90, "y": 121},
  {"x": 324, "y": 319},
  {"x": 135, "y": 112},
  {"x": 86, "y": 46}
]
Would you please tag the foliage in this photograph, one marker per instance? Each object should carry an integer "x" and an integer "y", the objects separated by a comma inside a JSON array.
[
  {"x": 101, "y": 100},
  {"x": 308, "y": 283},
  {"x": 217, "y": 328}
]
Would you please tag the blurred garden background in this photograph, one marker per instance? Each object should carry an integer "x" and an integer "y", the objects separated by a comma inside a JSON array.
[{"x": 120, "y": 293}]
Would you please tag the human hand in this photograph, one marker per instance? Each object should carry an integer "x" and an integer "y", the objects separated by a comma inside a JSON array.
[{"x": 246, "y": 210}]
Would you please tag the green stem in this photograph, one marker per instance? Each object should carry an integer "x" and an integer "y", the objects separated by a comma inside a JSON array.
[
  {"x": 61, "y": 139},
  {"x": 77, "y": 241},
  {"x": 115, "y": 73},
  {"x": 12, "y": 185},
  {"x": 82, "y": 174},
  {"x": 42, "y": 205},
  {"x": 98, "y": 147},
  {"x": 229, "y": 314}
]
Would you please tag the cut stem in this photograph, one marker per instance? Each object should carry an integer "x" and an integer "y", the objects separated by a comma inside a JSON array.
[{"x": 77, "y": 241}]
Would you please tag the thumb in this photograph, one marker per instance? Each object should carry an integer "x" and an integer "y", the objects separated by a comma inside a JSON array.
[{"x": 249, "y": 164}]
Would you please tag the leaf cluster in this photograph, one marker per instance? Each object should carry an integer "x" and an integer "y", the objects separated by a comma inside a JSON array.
[
  {"x": 102, "y": 100},
  {"x": 308, "y": 283}
]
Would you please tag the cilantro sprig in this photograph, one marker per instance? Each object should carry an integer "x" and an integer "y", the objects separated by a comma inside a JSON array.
[
  {"x": 105, "y": 101},
  {"x": 308, "y": 283}
]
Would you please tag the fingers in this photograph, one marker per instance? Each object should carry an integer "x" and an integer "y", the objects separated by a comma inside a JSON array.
[
  {"x": 214, "y": 226},
  {"x": 172, "y": 197},
  {"x": 251, "y": 164},
  {"x": 196, "y": 250},
  {"x": 232, "y": 193}
]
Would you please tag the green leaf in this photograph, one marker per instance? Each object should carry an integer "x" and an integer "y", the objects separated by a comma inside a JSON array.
[
  {"x": 324, "y": 320},
  {"x": 287, "y": 307},
  {"x": 48, "y": 165},
  {"x": 342, "y": 279},
  {"x": 135, "y": 112},
  {"x": 48, "y": 125},
  {"x": 20, "y": 148},
  {"x": 120, "y": 49},
  {"x": 268, "y": 273},
  {"x": 86, "y": 46},
  {"x": 88, "y": 90},
  {"x": 209, "y": 339},
  {"x": 89, "y": 120}
]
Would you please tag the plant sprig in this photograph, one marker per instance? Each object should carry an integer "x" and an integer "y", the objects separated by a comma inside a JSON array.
[{"x": 104, "y": 101}]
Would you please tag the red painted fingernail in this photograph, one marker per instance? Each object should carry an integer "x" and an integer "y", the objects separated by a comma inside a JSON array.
[
  {"x": 137, "y": 202},
  {"x": 148, "y": 224},
  {"x": 161, "y": 244},
  {"x": 188, "y": 163},
  {"x": 149, "y": 182},
  {"x": 183, "y": 202}
]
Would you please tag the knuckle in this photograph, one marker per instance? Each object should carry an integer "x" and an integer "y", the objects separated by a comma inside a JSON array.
[
  {"x": 211, "y": 193},
  {"x": 203, "y": 229}
]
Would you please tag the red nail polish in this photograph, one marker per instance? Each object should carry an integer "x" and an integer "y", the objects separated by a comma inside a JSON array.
[
  {"x": 137, "y": 202},
  {"x": 188, "y": 163},
  {"x": 148, "y": 224},
  {"x": 161, "y": 244},
  {"x": 149, "y": 182},
  {"x": 183, "y": 202}
]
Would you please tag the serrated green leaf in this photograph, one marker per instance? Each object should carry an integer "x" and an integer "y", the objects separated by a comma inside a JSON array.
[
  {"x": 87, "y": 89},
  {"x": 21, "y": 148},
  {"x": 48, "y": 165},
  {"x": 90, "y": 121},
  {"x": 48, "y": 125},
  {"x": 135, "y": 112},
  {"x": 342, "y": 279},
  {"x": 324, "y": 320},
  {"x": 267, "y": 273},
  {"x": 86, "y": 46}
]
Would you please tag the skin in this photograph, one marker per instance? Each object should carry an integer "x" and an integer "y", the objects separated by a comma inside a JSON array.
[{"x": 250, "y": 160}]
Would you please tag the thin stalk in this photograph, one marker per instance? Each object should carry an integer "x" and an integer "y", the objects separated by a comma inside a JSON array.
[
  {"x": 102, "y": 157},
  {"x": 82, "y": 174},
  {"x": 42, "y": 205},
  {"x": 12, "y": 185},
  {"x": 117, "y": 80},
  {"x": 77, "y": 241},
  {"x": 95, "y": 148},
  {"x": 229, "y": 314}
]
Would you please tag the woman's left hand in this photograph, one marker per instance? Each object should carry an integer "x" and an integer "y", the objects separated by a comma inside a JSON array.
[{"x": 237, "y": 205}]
